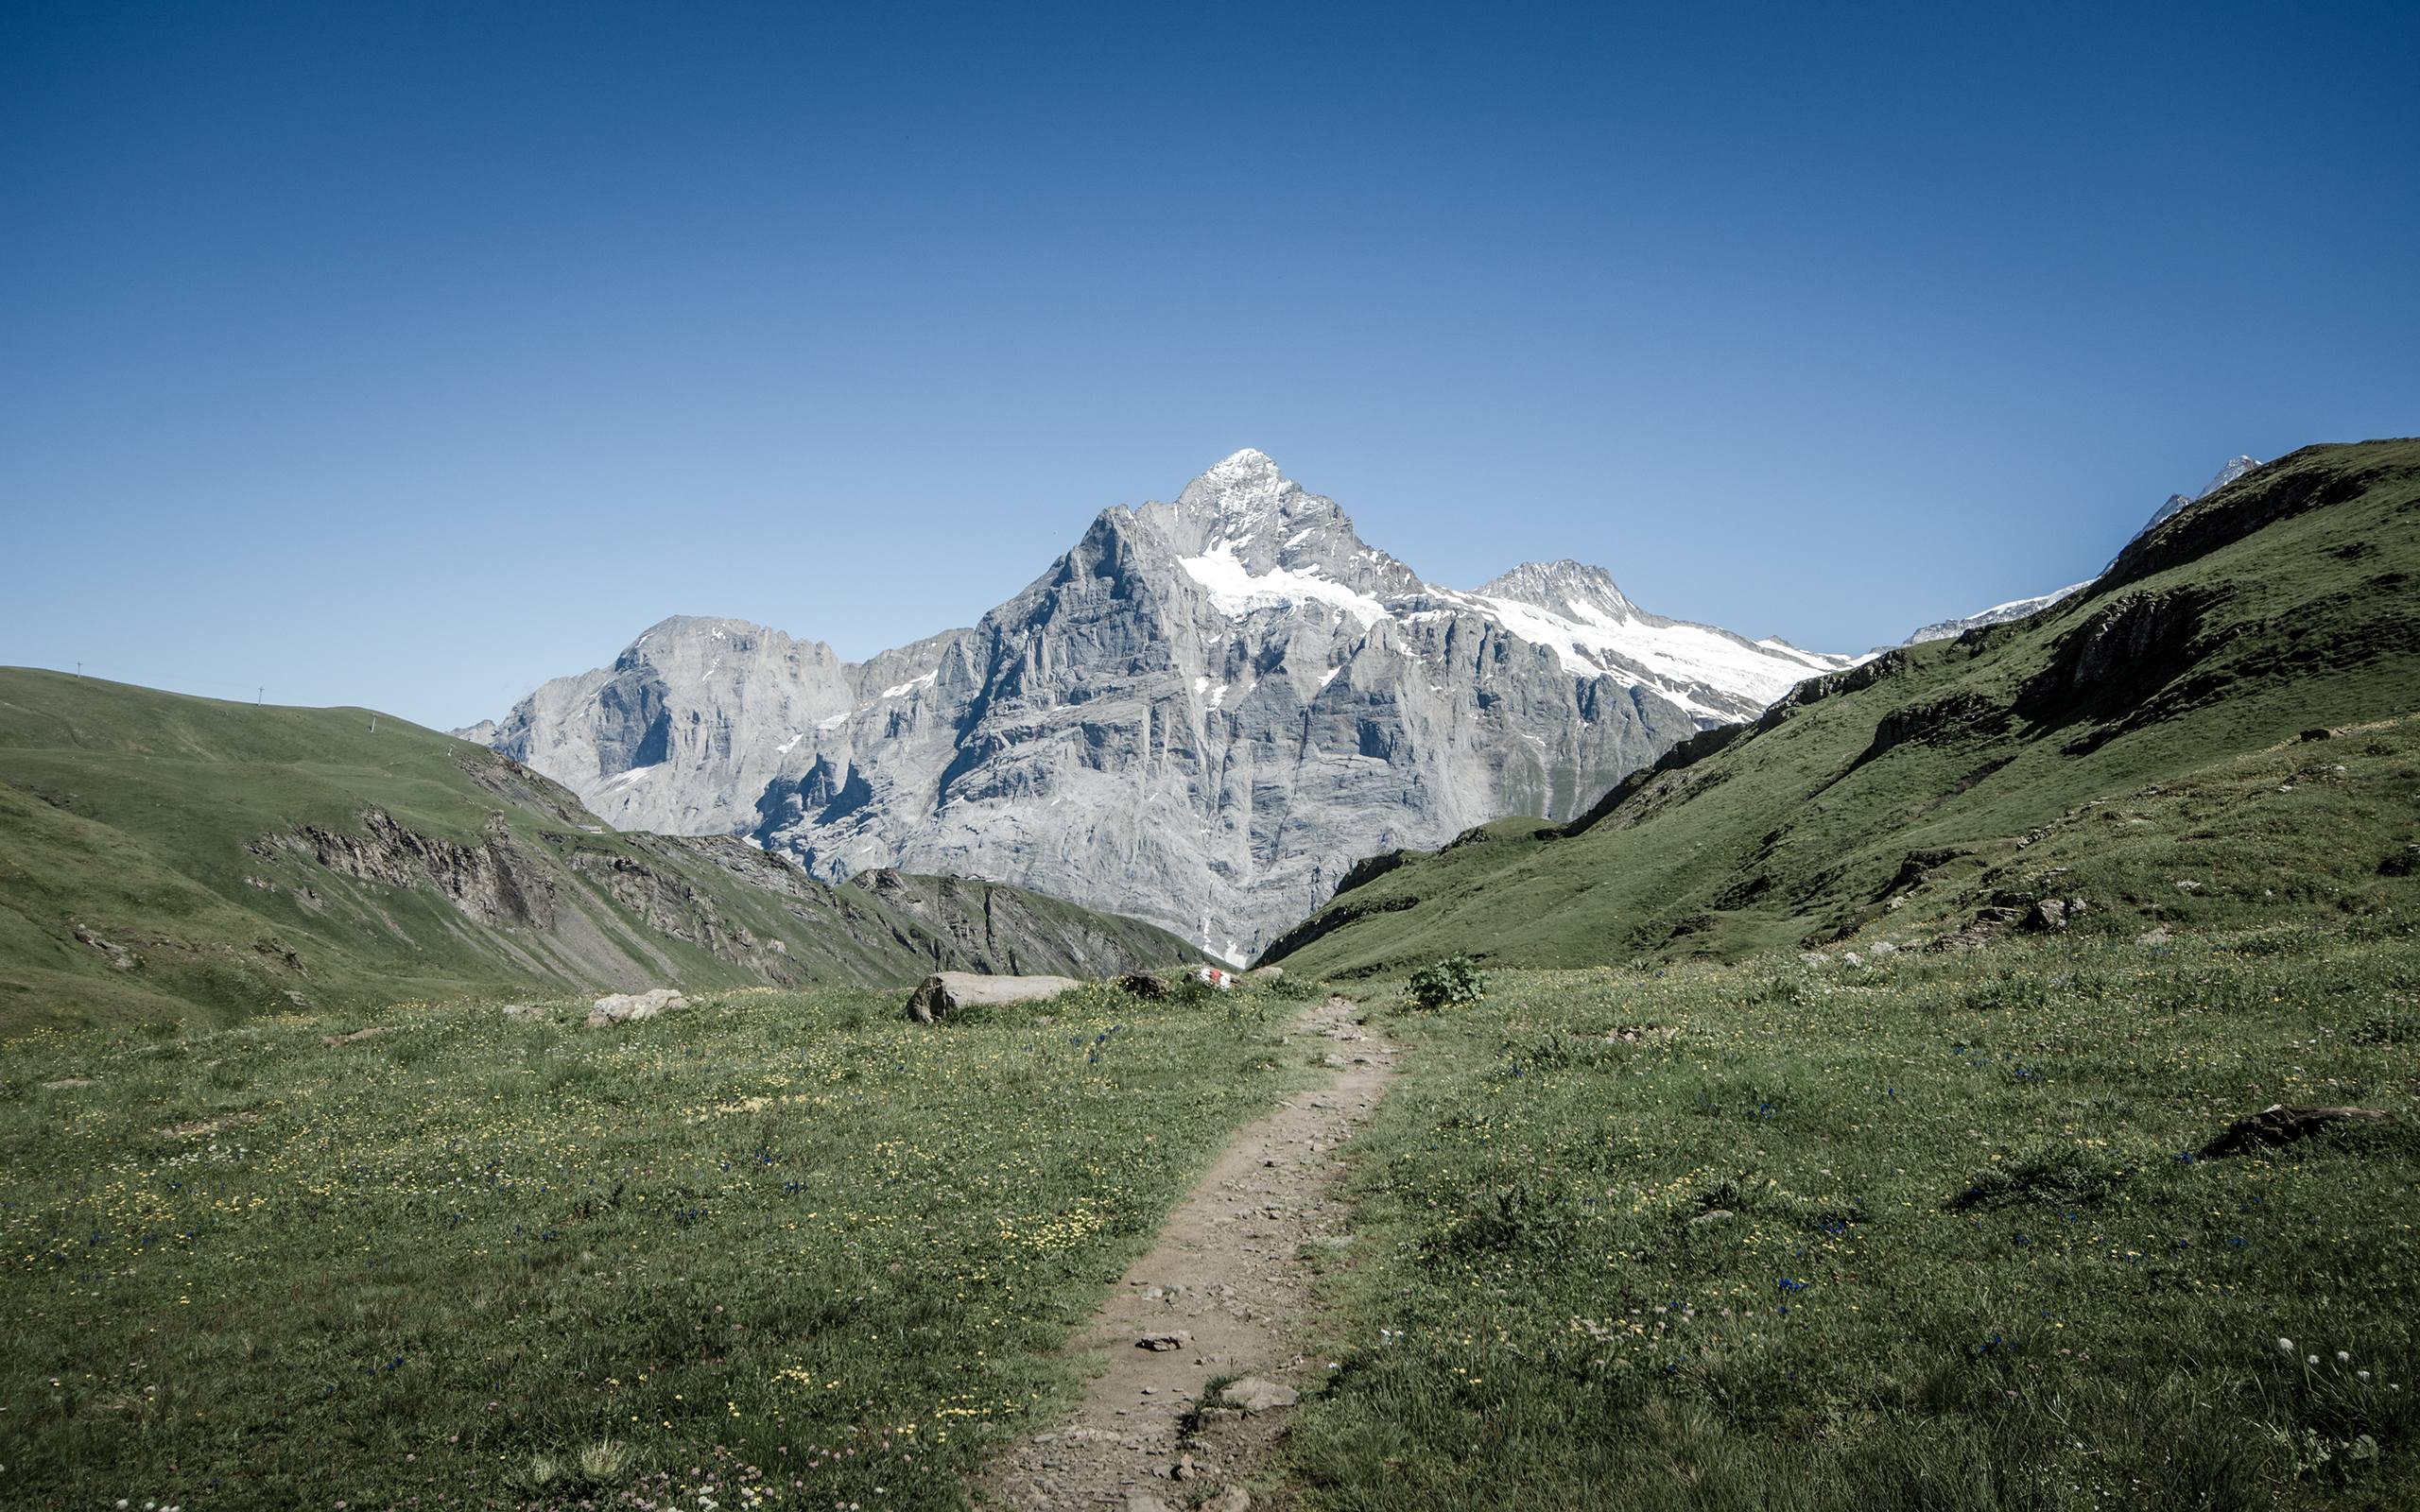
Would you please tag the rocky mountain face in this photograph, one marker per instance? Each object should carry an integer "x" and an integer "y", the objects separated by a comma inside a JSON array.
[
  {"x": 1201, "y": 714},
  {"x": 2018, "y": 609}
]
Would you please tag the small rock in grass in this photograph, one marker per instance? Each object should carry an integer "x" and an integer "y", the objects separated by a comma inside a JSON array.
[{"x": 1253, "y": 1394}]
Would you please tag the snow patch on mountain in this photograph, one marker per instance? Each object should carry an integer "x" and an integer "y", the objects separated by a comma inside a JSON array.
[
  {"x": 1238, "y": 591},
  {"x": 1708, "y": 672}
]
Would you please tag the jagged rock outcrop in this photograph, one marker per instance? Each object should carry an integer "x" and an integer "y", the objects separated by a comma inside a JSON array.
[{"x": 1200, "y": 715}]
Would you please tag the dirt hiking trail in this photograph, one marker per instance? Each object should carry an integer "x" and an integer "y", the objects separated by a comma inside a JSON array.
[{"x": 1225, "y": 1292}]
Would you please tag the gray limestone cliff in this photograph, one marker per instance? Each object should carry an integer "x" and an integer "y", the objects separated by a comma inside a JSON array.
[{"x": 1202, "y": 715}]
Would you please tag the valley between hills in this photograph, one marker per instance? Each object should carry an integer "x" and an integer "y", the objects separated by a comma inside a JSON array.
[{"x": 1684, "y": 1070}]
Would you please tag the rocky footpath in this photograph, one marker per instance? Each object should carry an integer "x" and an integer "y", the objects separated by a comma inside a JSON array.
[{"x": 1224, "y": 1294}]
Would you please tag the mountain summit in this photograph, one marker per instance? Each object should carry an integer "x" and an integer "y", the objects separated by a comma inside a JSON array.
[{"x": 1201, "y": 714}]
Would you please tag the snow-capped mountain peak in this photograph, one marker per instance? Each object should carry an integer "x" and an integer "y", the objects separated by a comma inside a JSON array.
[
  {"x": 1247, "y": 531},
  {"x": 2235, "y": 468},
  {"x": 1573, "y": 590},
  {"x": 1200, "y": 714},
  {"x": 1241, "y": 495}
]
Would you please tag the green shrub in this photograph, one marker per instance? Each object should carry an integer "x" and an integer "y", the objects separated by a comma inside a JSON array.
[{"x": 1449, "y": 983}]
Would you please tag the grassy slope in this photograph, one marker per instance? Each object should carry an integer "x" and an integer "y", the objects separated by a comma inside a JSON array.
[
  {"x": 135, "y": 814},
  {"x": 520, "y": 1264},
  {"x": 1797, "y": 831},
  {"x": 1970, "y": 1262}
]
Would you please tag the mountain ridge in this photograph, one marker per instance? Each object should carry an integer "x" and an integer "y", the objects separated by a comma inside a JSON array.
[
  {"x": 2018, "y": 609},
  {"x": 1203, "y": 709}
]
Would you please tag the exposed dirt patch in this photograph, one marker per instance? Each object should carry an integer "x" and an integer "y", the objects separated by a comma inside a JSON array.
[{"x": 1225, "y": 1293}]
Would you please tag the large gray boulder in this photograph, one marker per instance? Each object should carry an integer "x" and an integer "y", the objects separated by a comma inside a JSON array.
[
  {"x": 1202, "y": 715},
  {"x": 940, "y": 996},
  {"x": 627, "y": 1008}
]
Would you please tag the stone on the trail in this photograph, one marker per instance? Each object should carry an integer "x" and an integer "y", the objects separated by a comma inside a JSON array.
[
  {"x": 1162, "y": 1343},
  {"x": 1332, "y": 1062},
  {"x": 1145, "y": 1502},
  {"x": 1253, "y": 1394},
  {"x": 1234, "y": 1499},
  {"x": 628, "y": 1007},
  {"x": 944, "y": 993},
  {"x": 2279, "y": 1124}
]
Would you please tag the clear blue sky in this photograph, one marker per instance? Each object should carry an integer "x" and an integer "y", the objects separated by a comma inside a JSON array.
[{"x": 408, "y": 356}]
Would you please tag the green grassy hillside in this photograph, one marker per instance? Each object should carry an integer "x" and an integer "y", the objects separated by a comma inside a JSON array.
[
  {"x": 2139, "y": 747},
  {"x": 780, "y": 1250},
  {"x": 163, "y": 857},
  {"x": 1936, "y": 1230}
]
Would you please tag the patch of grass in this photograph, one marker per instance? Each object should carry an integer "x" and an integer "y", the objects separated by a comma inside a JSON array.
[
  {"x": 1899, "y": 1237},
  {"x": 783, "y": 1243}
]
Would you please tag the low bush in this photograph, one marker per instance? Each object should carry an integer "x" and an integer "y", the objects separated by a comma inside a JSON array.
[{"x": 1446, "y": 984}]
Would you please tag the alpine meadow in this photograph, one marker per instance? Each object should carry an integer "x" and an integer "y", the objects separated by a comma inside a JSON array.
[{"x": 691, "y": 820}]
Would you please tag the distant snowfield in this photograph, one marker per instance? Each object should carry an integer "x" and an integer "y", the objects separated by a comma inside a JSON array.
[{"x": 1682, "y": 658}]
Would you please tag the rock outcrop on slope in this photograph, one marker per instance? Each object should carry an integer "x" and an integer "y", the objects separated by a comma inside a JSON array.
[
  {"x": 171, "y": 857},
  {"x": 1201, "y": 714}
]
